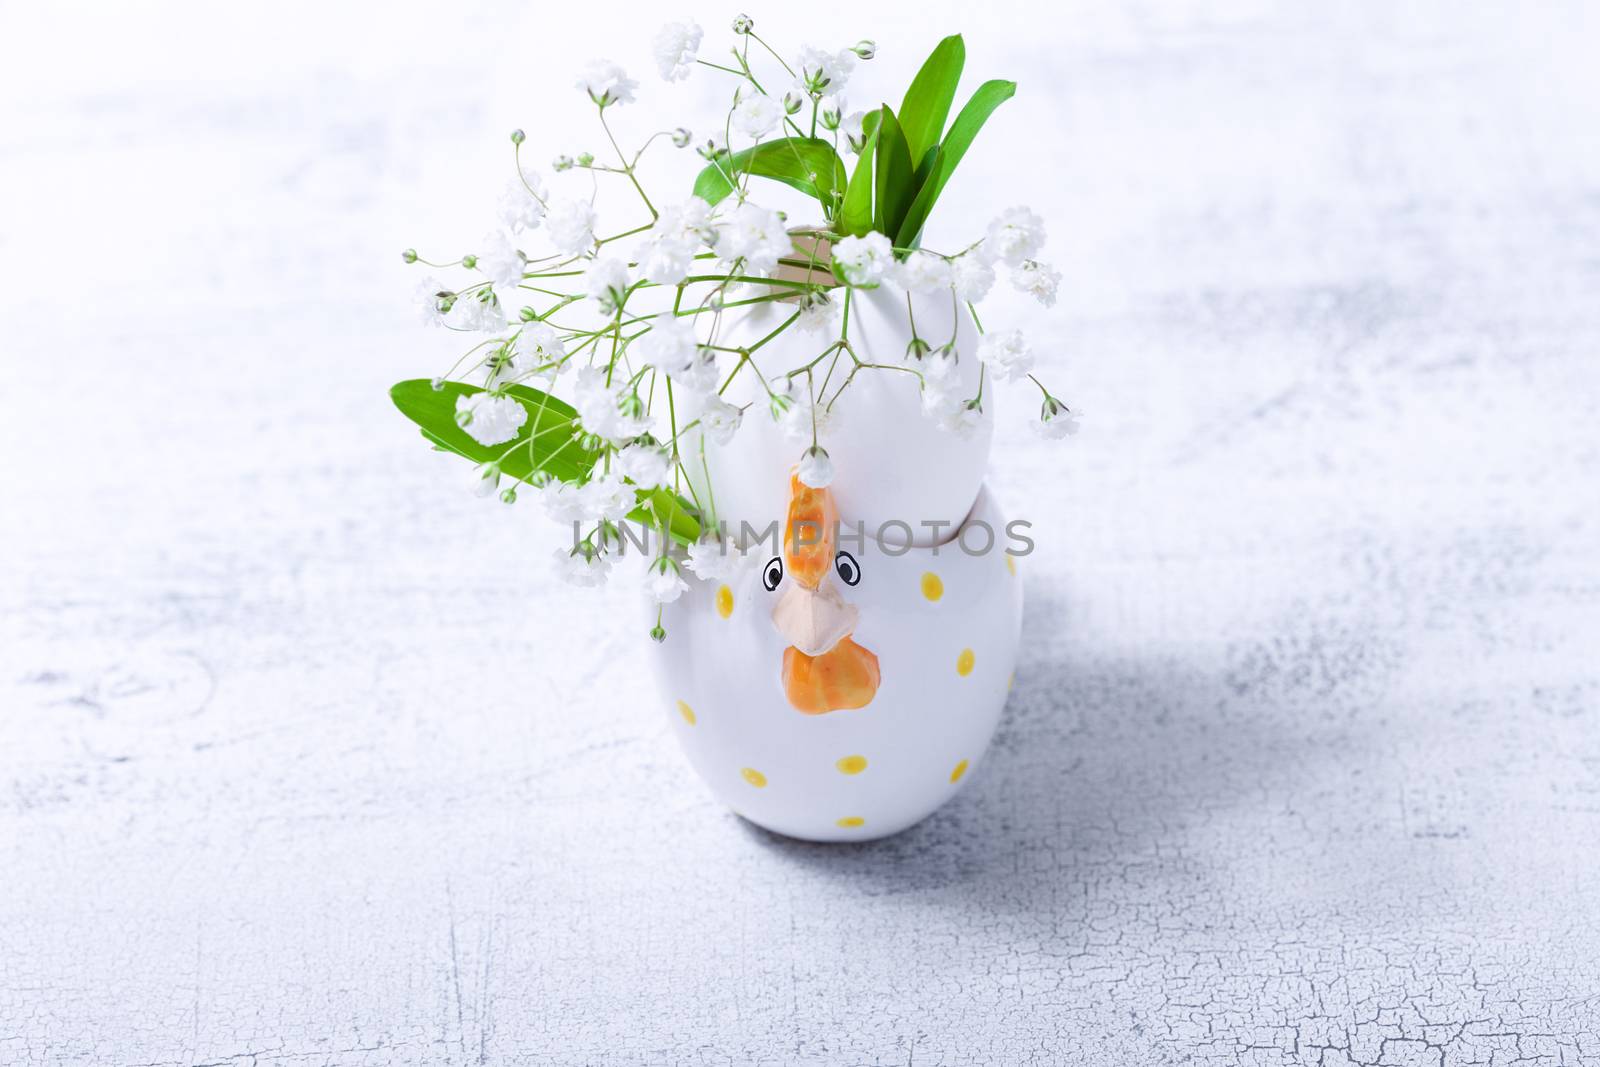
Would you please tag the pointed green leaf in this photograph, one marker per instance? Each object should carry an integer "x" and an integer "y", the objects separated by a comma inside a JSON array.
[
  {"x": 893, "y": 175},
  {"x": 917, "y": 214},
  {"x": 808, "y": 164},
  {"x": 546, "y": 441},
  {"x": 927, "y": 102},
  {"x": 990, "y": 95},
  {"x": 855, "y": 218}
]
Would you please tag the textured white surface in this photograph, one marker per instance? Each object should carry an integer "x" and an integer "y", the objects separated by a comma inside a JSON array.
[{"x": 303, "y": 758}]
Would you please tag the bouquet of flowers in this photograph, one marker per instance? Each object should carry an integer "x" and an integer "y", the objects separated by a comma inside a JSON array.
[{"x": 598, "y": 375}]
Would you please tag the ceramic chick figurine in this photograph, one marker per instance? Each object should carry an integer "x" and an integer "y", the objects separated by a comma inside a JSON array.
[{"x": 840, "y": 688}]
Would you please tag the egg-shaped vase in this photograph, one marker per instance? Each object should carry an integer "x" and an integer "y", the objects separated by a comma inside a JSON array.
[
  {"x": 877, "y": 729},
  {"x": 894, "y": 464}
]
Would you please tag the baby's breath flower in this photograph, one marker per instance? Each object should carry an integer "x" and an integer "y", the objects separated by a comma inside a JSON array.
[
  {"x": 755, "y": 114},
  {"x": 1037, "y": 278},
  {"x": 863, "y": 261},
  {"x": 1015, "y": 235},
  {"x": 484, "y": 479},
  {"x": 743, "y": 24},
  {"x": 488, "y": 418},
  {"x": 949, "y": 412},
  {"x": 608, "y": 498},
  {"x": 700, "y": 377},
  {"x": 677, "y": 45},
  {"x": 801, "y": 414},
  {"x": 585, "y": 159},
  {"x": 720, "y": 420},
  {"x": 645, "y": 465},
  {"x": 831, "y": 112},
  {"x": 855, "y": 138},
  {"x": 433, "y": 301},
  {"x": 755, "y": 235},
  {"x": 714, "y": 558},
  {"x": 821, "y": 73},
  {"x": 606, "y": 283},
  {"x": 681, "y": 137},
  {"x": 819, "y": 313},
  {"x": 522, "y": 204},
  {"x": 607, "y": 84},
  {"x": 973, "y": 277},
  {"x": 793, "y": 102},
  {"x": 667, "y": 253},
  {"x": 712, "y": 147},
  {"x": 599, "y": 406},
  {"x": 1055, "y": 420},
  {"x": 923, "y": 272},
  {"x": 669, "y": 347},
  {"x": 815, "y": 468},
  {"x": 865, "y": 49},
  {"x": 570, "y": 224},
  {"x": 537, "y": 345},
  {"x": 663, "y": 582},
  {"x": 477, "y": 311},
  {"x": 584, "y": 566},
  {"x": 501, "y": 263},
  {"x": 1006, "y": 353},
  {"x": 561, "y": 163}
]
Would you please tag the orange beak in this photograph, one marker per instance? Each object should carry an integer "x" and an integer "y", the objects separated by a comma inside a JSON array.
[{"x": 823, "y": 669}]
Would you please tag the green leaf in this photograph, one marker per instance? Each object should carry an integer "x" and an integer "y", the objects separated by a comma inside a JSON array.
[
  {"x": 658, "y": 507},
  {"x": 927, "y": 102},
  {"x": 927, "y": 192},
  {"x": 893, "y": 175},
  {"x": 808, "y": 164},
  {"x": 547, "y": 441},
  {"x": 855, "y": 218},
  {"x": 990, "y": 95}
]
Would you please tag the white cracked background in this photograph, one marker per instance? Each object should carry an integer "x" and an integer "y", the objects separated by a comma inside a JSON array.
[{"x": 305, "y": 759}]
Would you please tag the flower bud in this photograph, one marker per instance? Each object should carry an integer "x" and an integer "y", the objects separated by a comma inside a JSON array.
[
  {"x": 585, "y": 159},
  {"x": 561, "y": 163},
  {"x": 517, "y": 136},
  {"x": 657, "y": 634},
  {"x": 484, "y": 478},
  {"x": 409, "y": 255},
  {"x": 469, "y": 261},
  {"x": 779, "y": 405},
  {"x": 711, "y": 148},
  {"x": 527, "y": 314},
  {"x": 793, "y": 102},
  {"x": 631, "y": 406},
  {"x": 591, "y": 442},
  {"x": 865, "y": 49},
  {"x": 917, "y": 349},
  {"x": 509, "y": 496},
  {"x": 681, "y": 137},
  {"x": 438, "y": 385},
  {"x": 743, "y": 24},
  {"x": 830, "y": 117},
  {"x": 540, "y": 478}
]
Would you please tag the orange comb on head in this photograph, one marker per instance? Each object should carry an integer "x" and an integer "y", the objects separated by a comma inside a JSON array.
[{"x": 808, "y": 534}]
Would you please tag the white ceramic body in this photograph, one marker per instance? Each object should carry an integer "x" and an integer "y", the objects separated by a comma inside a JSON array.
[
  {"x": 926, "y": 728},
  {"x": 892, "y": 462}
]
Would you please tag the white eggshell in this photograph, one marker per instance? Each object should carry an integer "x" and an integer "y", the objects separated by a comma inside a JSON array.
[
  {"x": 924, "y": 731},
  {"x": 892, "y": 461}
]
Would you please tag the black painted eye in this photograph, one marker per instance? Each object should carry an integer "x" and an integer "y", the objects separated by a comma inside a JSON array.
[
  {"x": 849, "y": 570},
  {"x": 773, "y": 574}
]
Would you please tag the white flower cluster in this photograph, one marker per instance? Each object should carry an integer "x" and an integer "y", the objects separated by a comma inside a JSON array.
[{"x": 578, "y": 308}]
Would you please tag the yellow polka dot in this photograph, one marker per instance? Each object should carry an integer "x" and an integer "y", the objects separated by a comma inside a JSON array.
[
  {"x": 932, "y": 585},
  {"x": 724, "y": 601},
  {"x": 964, "y": 662},
  {"x": 961, "y": 768},
  {"x": 1011, "y": 563},
  {"x": 687, "y": 712},
  {"x": 852, "y": 765},
  {"x": 754, "y": 777},
  {"x": 850, "y": 822}
]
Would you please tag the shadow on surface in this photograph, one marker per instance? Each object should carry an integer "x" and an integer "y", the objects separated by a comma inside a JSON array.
[{"x": 1096, "y": 759}]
